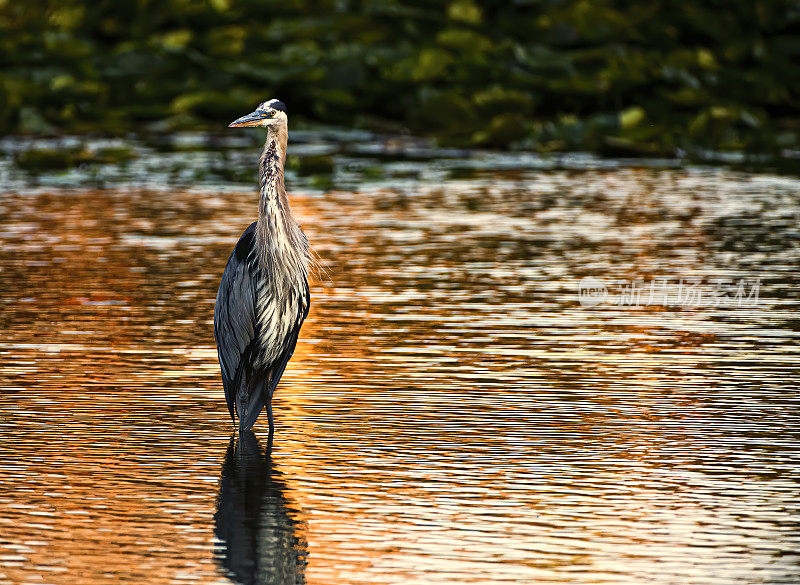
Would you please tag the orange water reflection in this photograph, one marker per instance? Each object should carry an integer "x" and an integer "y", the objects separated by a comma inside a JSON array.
[{"x": 452, "y": 413}]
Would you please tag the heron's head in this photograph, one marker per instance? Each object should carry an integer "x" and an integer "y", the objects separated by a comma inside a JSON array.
[{"x": 270, "y": 114}]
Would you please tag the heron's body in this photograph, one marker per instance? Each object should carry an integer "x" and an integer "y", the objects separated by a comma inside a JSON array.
[{"x": 263, "y": 297}]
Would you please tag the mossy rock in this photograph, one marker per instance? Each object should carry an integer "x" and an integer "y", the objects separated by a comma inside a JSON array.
[
  {"x": 46, "y": 159},
  {"x": 502, "y": 130},
  {"x": 315, "y": 165},
  {"x": 373, "y": 173}
]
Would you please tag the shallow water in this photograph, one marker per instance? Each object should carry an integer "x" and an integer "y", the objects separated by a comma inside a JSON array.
[{"x": 455, "y": 410}]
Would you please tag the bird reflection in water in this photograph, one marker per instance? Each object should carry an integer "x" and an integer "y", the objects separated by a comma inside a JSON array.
[{"x": 261, "y": 540}]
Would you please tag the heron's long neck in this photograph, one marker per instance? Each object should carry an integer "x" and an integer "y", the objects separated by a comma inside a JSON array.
[
  {"x": 270, "y": 171},
  {"x": 278, "y": 237}
]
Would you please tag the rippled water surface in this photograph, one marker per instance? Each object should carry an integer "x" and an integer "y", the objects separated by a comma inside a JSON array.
[{"x": 453, "y": 413}]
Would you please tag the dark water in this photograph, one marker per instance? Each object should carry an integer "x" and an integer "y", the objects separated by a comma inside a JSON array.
[{"x": 455, "y": 411}]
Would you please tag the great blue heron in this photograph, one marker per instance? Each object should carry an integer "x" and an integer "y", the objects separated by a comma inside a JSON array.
[{"x": 263, "y": 298}]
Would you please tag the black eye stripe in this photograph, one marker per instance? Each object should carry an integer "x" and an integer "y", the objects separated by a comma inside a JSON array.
[{"x": 272, "y": 105}]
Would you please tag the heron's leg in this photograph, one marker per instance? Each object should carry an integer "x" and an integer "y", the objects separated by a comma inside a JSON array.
[{"x": 269, "y": 418}]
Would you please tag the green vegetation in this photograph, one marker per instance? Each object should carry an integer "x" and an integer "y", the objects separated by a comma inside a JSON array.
[
  {"x": 611, "y": 76},
  {"x": 44, "y": 159}
]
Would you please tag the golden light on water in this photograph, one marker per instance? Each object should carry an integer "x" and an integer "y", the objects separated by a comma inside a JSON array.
[{"x": 452, "y": 413}]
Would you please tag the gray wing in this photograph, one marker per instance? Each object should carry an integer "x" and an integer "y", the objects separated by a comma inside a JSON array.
[
  {"x": 234, "y": 316},
  {"x": 237, "y": 335}
]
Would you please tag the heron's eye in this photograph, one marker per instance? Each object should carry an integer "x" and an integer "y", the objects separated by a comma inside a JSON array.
[{"x": 272, "y": 114}]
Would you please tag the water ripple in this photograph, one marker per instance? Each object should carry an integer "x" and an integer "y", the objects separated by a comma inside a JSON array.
[{"x": 452, "y": 413}]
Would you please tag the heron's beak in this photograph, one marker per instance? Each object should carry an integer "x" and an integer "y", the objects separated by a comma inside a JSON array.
[{"x": 253, "y": 119}]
